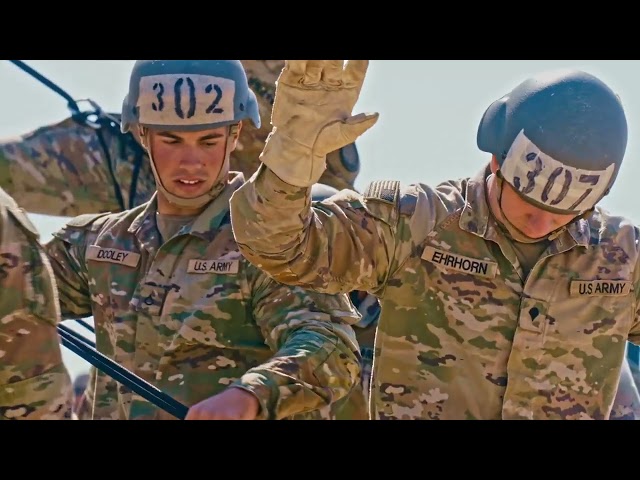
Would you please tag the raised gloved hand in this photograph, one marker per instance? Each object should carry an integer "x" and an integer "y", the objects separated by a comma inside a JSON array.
[{"x": 312, "y": 116}]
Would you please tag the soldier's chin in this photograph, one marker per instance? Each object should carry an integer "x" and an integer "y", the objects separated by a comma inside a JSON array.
[
  {"x": 533, "y": 233},
  {"x": 190, "y": 190}
]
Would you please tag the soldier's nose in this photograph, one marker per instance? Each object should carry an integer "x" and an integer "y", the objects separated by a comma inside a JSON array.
[{"x": 190, "y": 161}]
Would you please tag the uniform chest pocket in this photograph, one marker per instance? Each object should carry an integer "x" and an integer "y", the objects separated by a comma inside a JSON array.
[
  {"x": 114, "y": 278},
  {"x": 212, "y": 310},
  {"x": 459, "y": 279},
  {"x": 592, "y": 311}
]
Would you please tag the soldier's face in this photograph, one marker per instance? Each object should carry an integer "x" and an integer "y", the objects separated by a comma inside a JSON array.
[
  {"x": 188, "y": 163},
  {"x": 529, "y": 219}
]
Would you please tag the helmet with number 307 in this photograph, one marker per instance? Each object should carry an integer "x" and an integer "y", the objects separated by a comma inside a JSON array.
[
  {"x": 186, "y": 95},
  {"x": 559, "y": 138}
]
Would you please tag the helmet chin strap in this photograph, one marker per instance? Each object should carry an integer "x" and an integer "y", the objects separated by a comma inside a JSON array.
[
  {"x": 511, "y": 230},
  {"x": 205, "y": 198}
]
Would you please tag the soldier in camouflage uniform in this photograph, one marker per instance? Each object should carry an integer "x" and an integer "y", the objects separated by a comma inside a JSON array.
[
  {"x": 55, "y": 159},
  {"x": 85, "y": 164},
  {"x": 34, "y": 382},
  {"x": 626, "y": 404},
  {"x": 505, "y": 295},
  {"x": 172, "y": 298}
]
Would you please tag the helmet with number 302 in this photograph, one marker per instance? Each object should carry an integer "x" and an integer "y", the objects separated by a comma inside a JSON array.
[
  {"x": 559, "y": 138},
  {"x": 187, "y": 95}
]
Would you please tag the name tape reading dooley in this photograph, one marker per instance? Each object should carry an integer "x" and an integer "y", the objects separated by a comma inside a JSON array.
[
  {"x": 113, "y": 255},
  {"x": 460, "y": 263}
]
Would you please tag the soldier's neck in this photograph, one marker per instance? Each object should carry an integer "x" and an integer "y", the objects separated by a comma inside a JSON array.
[{"x": 165, "y": 207}]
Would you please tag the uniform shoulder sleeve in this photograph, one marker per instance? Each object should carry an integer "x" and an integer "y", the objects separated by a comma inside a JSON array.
[
  {"x": 388, "y": 200},
  {"x": 75, "y": 230},
  {"x": 19, "y": 215},
  {"x": 87, "y": 220}
]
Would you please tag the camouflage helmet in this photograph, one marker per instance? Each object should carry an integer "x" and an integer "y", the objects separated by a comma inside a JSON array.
[
  {"x": 188, "y": 95},
  {"x": 559, "y": 138}
]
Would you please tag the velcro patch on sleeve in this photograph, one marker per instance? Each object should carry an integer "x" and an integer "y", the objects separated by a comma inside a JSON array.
[{"x": 384, "y": 190}]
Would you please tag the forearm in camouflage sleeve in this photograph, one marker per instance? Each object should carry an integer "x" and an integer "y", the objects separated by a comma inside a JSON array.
[
  {"x": 71, "y": 278},
  {"x": 316, "y": 361},
  {"x": 34, "y": 382},
  {"x": 47, "y": 396},
  {"x": 336, "y": 247},
  {"x": 70, "y": 168}
]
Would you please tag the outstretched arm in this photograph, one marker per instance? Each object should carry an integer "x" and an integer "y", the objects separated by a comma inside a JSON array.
[
  {"x": 70, "y": 168},
  {"x": 338, "y": 246}
]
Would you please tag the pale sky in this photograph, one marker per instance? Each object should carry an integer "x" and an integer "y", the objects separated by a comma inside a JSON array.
[{"x": 429, "y": 113}]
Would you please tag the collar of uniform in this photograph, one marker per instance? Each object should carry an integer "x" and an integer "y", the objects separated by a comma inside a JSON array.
[
  {"x": 209, "y": 220},
  {"x": 144, "y": 225},
  {"x": 475, "y": 213},
  {"x": 576, "y": 233}
]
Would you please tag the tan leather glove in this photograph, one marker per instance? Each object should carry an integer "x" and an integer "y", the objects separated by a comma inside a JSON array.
[{"x": 312, "y": 116}]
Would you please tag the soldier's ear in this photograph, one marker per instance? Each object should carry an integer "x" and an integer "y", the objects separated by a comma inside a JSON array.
[
  {"x": 236, "y": 131},
  {"x": 234, "y": 135},
  {"x": 135, "y": 133},
  {"x": 142, "y": 134}
]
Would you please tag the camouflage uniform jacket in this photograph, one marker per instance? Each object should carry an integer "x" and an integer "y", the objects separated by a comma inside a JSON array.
[
  {"x": 192, "y": 317},
  {"x": 462, "y": 335},
  {"x": 34, "y": 382}
]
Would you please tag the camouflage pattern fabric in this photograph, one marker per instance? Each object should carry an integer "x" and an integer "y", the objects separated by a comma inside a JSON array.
[
  {"x": 34, "y": 382},
  {"x": 626, "y": 405},
  {"x": 461, "y": 335},
  {"x": 71, "y": 168},
  {"x": 192, "y": 317}
]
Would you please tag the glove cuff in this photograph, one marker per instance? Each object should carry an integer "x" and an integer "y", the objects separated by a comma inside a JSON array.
[{"x": 291, "y": 161}]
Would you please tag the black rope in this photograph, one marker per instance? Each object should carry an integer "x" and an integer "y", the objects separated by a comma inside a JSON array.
[
  {"x": 102, "y": 120},
  {"x": 71, "y": 103},
  {"x": 84, "y": 348},
  {"x": 86, "y": 325}
]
